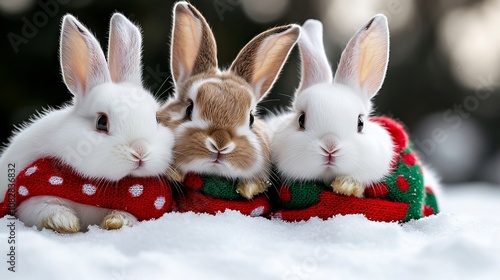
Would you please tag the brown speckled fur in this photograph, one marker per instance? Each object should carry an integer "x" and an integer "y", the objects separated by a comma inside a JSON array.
[{"x": 225, "y": 103}]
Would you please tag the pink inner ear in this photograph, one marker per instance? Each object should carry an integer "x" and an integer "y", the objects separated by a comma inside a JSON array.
[
  {"x": 82, "y": 59},
  {"x": 115, "y": 52},
  {"x": 193, "y": 48},
  {"x": 75, "y": 60},
  {"x": 364, "y": 61},
  {"x": 124, "y": 51},
  {"x": 261, "y": 60},
  {"x": 373, "y": 57}
]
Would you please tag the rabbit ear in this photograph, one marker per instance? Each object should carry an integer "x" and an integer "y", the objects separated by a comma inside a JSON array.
[
  {"x": 314, "y": 64},
  {"x": 193, "y": 48},
  {"x": 261, "y": 60},
  {"x": 82, "y": 60},
  {"x": 124, "y": 50},
  {"x": 364, "y": 61}
]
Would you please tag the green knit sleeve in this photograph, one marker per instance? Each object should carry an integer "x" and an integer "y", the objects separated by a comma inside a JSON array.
[
  {"x": 219, "y": 187},
  {"x": 406, "y": 184},
  {"x": 299, "y": 195}
]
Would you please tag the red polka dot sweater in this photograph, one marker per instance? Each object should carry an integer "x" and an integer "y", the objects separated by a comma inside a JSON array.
[
  {"x": 145, "y": 198},
  {"x": 401, "y": 196}
]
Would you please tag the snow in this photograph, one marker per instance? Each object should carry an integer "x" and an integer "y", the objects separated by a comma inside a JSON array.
[{"x": 462, "y": 242}]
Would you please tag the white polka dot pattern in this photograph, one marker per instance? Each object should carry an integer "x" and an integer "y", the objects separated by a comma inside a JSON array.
[
  {"x": 257, "y": 211},
  {"x": 89, "y": 189},
  {"x": 23, "y": 191},
  {"x": 31, "y": 170},
  {"x": 54, "y": 180},
  {"x": 136, "y": 190},
  {"x": 159, "y": 202}
]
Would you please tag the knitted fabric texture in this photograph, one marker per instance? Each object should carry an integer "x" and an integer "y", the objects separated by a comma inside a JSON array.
[
  {"x": 212, "y": 194},
  {"x": 401, "y": 196},
  {"x": 145, "y": 198}
]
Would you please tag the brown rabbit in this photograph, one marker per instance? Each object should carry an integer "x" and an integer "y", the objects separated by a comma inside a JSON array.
[{"x": 213, "y": 111}]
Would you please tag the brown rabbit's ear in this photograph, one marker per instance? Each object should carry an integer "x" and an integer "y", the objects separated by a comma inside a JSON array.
[
  {"x": 193, "y": 49},
  {"x": 261, "y": 60}
]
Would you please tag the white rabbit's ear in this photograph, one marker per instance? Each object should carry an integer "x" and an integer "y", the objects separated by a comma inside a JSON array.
[
  {"x": 314, "y": 64},
  {"x": 82, "y": 61},
  {"x": 193, "y": 48},
  {"x": 261, "y": 60},
  {"x": 364, "y": 61},
  {"x": 124, "y": 50}
]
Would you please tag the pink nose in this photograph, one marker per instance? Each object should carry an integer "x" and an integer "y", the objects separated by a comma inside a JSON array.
[
  {"x": 139, "y": 148},
  {"x": 330, "y": 148},
  {"x": 328, "y": 144}
]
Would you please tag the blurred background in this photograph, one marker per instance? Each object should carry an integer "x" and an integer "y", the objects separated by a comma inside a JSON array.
[{"x": 443, "y": 79}]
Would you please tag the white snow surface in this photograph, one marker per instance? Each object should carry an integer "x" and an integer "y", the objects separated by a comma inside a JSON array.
[{"x": 462, "y": 242}]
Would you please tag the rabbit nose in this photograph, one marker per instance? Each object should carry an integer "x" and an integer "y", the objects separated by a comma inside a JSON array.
[
  {"x": 328, "y": 144},
  {"x": 139, "y": 149},
  {"x": 220, "y": 142},
  {"x": 329, "y": 149}
]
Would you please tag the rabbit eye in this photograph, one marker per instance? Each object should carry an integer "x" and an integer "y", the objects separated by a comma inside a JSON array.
[
  {"x": 302, "y": 120},
  {"x": 252, "y": 119},
  {"x": 361, "y": 123},
  {"x": 102, "y": 124},
  {"x": 189, "y": 111}
]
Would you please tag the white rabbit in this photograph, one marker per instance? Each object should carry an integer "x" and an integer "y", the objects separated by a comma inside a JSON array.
[
  {"x": 108, "y": 131},
  {"x": 213, "y": 112},
  {"x": 328, "y": 134}
]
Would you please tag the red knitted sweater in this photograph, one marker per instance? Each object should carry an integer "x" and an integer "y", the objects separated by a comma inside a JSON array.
[
  {"x": 213, "y": 194},
  {"x": 145, "y": 198}
]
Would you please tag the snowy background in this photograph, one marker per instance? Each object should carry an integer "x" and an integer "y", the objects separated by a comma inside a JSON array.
[{"x": 462, "y": 242}]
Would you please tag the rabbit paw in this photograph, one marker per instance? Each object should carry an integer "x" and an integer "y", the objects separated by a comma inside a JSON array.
[
  {"x": 117, "y": 220},
  {"x": 63, "y": 221},
  {"x": 249, "y": 189},
  {"x": 346, "y": 185}
]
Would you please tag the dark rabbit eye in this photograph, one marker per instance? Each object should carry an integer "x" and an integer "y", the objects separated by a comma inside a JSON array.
[
  {"x": 252, "y": 119},
  {"x": 189, "y": 110},
  {"x": 302, "y": 120},
  {"x": 102, "y": 123},
  {"x": 361, "y": 123}
]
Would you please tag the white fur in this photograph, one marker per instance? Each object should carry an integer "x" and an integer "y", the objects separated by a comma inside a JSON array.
[
  {"x": 69, "y": 133},
  {"x": 331, "y": 115},
  {"x": 432, "y": 180},
  {"x": 331, "y": 112}
]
